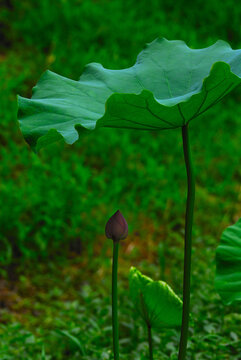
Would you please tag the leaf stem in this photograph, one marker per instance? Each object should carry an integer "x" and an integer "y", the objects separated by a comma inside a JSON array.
[
  {"x": 115, "y": 326},
  {"x": 188, "y": 242},
  {"x": 150, "y": 342}
]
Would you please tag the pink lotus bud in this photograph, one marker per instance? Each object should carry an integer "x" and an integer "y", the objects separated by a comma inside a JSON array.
[{"x": 116, "y": 227}]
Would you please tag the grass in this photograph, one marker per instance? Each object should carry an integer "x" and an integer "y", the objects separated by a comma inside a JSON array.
[
  {"x": 55, "y": 261},
  {"x": 63, "y": 298}
]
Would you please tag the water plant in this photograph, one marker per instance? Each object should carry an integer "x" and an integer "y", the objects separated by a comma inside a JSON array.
[
  {"x": 116, "y": 229},
  {"x": 228, "y": 266},
  {"x": 156, "y": 302},
  {"x": 228, "y": 262},
  {"x": 169, "y": 86}
]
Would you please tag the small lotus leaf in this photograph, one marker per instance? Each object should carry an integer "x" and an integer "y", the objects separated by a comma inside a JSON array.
[{"x": 156, "y": 302}]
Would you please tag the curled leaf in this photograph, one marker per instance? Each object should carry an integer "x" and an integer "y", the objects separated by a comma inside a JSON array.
[
  {"x": 169, "y": 85},
  {"x": 228, "y": 261},
  {"x": 156, "y": 302}
]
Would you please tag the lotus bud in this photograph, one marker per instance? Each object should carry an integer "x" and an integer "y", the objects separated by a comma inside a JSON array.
[{"x": 116, "y": 227}]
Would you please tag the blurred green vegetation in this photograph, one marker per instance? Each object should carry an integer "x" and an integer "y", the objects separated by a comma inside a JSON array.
[{"x": 54, "y": 206}]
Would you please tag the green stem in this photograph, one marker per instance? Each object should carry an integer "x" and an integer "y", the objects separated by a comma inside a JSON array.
[
  {"x": 188, "y": 242},
  {"x": 150, "y": 342},
  {"x": 114, "y": 301}
]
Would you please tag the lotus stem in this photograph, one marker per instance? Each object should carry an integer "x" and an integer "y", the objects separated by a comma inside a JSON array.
[
  {"x": 116, "y": 229},
  {"x": 115, "y": 325},
  {"x": 188, "y": 242}
]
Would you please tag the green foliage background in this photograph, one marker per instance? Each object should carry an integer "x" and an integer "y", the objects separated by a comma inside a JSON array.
[{"x": 56, "y": 204}]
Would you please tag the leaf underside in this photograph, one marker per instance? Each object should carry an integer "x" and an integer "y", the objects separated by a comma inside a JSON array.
[
  {"x": 169, "y": 85},
  {"x": 156, "y": 302},
  {"x": 228, "y": 261}
]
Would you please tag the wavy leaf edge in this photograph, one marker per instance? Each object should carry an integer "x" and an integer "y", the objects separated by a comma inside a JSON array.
[{"x": 56, "y": 134}]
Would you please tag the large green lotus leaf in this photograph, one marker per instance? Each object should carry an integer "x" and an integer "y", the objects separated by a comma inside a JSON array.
[
  {"x": 156, "y": 302},
  {"x": 228, "y": 261},
  {"x": 169, "y": 85}
]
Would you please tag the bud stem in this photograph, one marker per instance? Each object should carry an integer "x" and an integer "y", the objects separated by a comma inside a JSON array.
[{"x": 115, "y": 326}]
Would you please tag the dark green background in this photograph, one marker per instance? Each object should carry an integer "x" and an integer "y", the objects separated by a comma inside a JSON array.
[{"x": 54, "y": 206}]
